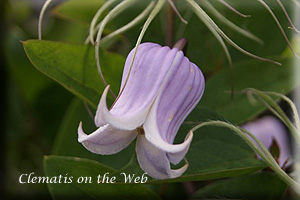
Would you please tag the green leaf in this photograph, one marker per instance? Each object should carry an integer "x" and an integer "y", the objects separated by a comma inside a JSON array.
[
  {"x": 74, "y": 67},
  {"x": 215, "y": 152},
  {"x": 255, "y": 74},
  {"x": 66, "y": 141},
  {"x": 78, "y": 10},
  {"x": 260, "y": 186},
  {"x": 77, "y": 167}
]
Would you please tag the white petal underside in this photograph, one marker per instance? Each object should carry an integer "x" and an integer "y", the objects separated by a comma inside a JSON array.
[{"x": 106, "y": 140}]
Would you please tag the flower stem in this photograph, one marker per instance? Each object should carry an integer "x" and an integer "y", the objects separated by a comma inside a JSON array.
[
  {"x": 169, "y": 28},
  {"x": 181, "y": 44},
  {"x": 40, "y": 23},
  {"x": 262, "y": 150}
]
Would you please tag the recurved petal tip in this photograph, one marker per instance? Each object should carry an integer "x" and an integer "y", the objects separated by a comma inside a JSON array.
[
  {"x": 106, "y": 140},
  {"x": 129, "y": 121},
  {"x": 155, "y": 161}
]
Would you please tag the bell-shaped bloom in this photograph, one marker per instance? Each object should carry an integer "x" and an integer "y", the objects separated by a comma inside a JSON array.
[
  {"x": 162, "y": 89},
  {"x": 271, "y": 132}
]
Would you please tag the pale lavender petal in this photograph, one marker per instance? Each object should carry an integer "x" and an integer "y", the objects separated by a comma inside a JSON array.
[
  {"x": 106, "y": 140},
  {"x": 179, "y": 95},
  {"x": 179, "y": 98},
  {"x": 268, "y": 129},
  {"x": 155, "y": 161},
  {"x": 175, "y": 158},
  {"x": 130, "y": 121},
  {"x": 151, "y": 66}
]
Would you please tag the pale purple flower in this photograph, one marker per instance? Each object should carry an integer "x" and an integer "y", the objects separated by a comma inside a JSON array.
[
  {"x": 162, "y": 89},
  {"x": 269, "y": 129}
]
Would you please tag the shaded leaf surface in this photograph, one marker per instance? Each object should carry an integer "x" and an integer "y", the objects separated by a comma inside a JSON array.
[
  {"x": 78, "y": 167},
  {"x": 260, "y": 186},
  {"x": 74, "y": 67},
  {"x": 251, "y": 74},
  {"x": 82, "y": 11}
]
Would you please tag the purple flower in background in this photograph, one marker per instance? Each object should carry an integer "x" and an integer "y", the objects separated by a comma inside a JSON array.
[
  {"x": 162, "y": 89},
  {"x": 269, "y": 129}
]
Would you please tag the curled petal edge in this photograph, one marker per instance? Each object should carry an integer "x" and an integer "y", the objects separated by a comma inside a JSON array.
[
  {"x": 152, "y": 134},
  {"x": 106, "y": 140},
  {"x": 130, "y": 122},
  {"x": 155, "y": 161}
]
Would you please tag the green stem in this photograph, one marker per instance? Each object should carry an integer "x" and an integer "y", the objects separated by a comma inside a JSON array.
[
  {"x": 119, "y": 8},
  {"x": 263, "y": 152},
  {"x": 96, "y": 17},
  {"x": 40, "y": 23},
  {"x": 202, "y": 14},
  {"x": 276, "y": 110},
  {"x": 169, "y": 36}
]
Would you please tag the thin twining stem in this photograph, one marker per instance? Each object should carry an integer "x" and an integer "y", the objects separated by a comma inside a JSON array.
[
  {"x": 288, "y": 17},
  {"x": 96, "y": 29},
  {"x": 42, "y": 13},
  {"x": 279, "y": 26},
  {"x": 292, "y": 105},
  {"x": 261, "y": 149},
  {"x": 182, "y": 27},
  {"x": 202, "y": 14},
  {"x": 223, "y": 45},
  {"x": 216, "y": 34},
  {"x": 296, "y": 2},
  {"x": 96, "y": 17},
  {"x": 177, "y": 12},
  {"x": 152, "y": 15},
  {"x": 233, "y": 9},
  {"x": 126, "y": 27},
  {"x": 227, "y": 22},
  {"x": 276, "y": 110},
  {"x": 120, "y": 7}
]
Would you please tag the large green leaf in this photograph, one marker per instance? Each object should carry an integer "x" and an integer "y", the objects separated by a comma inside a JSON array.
[
  {"x": 78, "y": 167},
  {"x": 260, "y": 186},
  {"x": 74, "y": 67},
  {"x": 255, "y": 74},
  {"x": 66, "y": 142}
]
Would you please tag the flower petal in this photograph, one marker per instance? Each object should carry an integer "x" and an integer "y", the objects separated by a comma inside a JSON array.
[
  {"x": 149, "y": 71},
  {"x": 181, "y": 94},
  {"x": 126, "y": 122},
  {"x": 175, "y": 158},
  {"x": 106, "y": 140},
  {"x": 155, "y": 161},
  {"x": 266, "y": 130},
  {"x": 178, "y": 97},
  {"x": 152, "y": 134}
]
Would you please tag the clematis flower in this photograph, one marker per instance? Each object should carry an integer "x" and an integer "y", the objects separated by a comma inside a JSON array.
[
  {"x": 269, "y": 130},
  {"x": 162, "y": 89}
]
